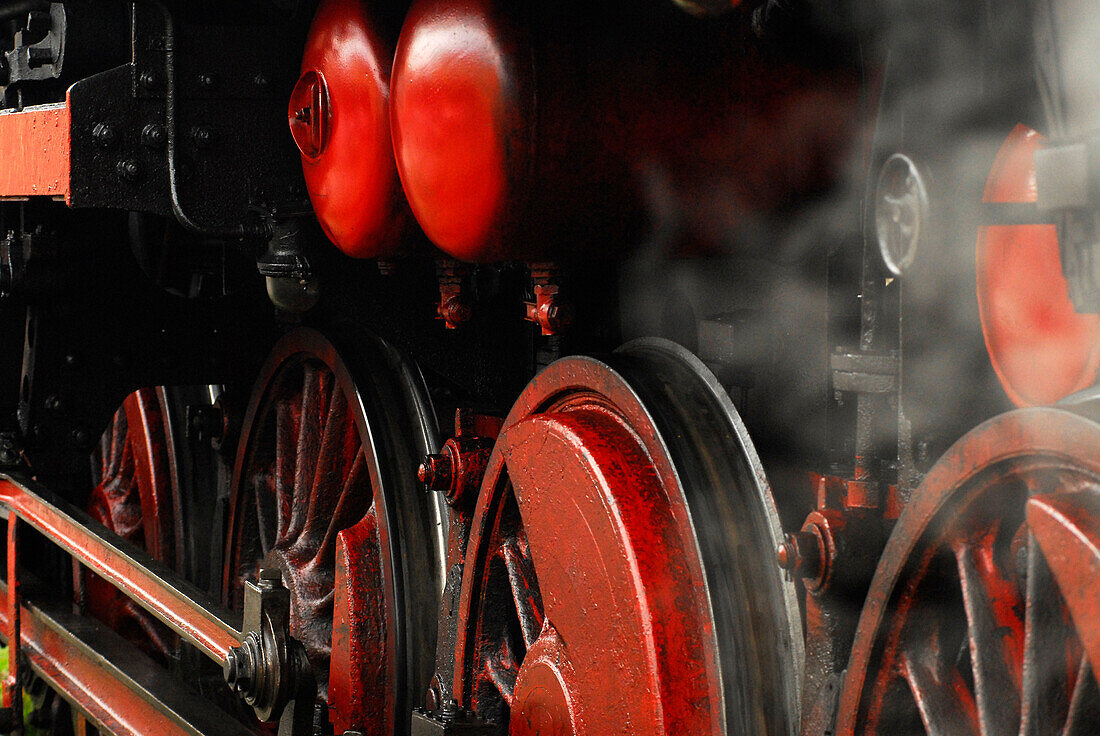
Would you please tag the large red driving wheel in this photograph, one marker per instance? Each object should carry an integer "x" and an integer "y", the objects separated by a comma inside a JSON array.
[
  {"x": 325, "y": 490},
  {"x": 620, "y": 574},
  {"x": 965, "y": 629},
  {"x": 137, "y": 496}
]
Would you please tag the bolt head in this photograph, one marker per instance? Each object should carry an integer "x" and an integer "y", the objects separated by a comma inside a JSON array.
[
  {"x": 785, "y": 555},
  {"x": 104, "y": 135},
  {"x": 436, "y": 472},
  {"x": 153, "y": 136},
  {"x": 237, "y": 669},
  {"x": 129, "y": 169}
]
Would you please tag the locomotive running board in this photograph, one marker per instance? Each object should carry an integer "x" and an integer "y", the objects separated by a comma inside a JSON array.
[
  {"x": 35, "y": 152},
  {"x": 91, "y": 666}
]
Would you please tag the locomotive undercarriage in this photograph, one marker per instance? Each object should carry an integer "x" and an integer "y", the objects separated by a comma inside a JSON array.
[{"x": 723, "y": 455}]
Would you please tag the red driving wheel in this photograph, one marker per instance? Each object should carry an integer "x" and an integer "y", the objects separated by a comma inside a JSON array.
[
  {"x": 619, "y": 576},
  {"x": 137, "y": 496},
  {"x": 965, "y": 630},
  {"x": 325, "y": 490}
]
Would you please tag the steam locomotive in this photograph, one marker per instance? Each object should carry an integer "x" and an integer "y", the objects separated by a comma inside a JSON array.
[{"x": 479, "y": 367}]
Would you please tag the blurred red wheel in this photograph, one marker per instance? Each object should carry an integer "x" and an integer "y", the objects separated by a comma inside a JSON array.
[{"x": 620, "y": 574}]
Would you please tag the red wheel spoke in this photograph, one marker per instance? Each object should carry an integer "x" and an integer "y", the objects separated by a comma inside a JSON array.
[
  {"x": 1067, "y": 528},
  {"x": 502, "y": 669},
  {"x": 287, "y": 417},
  {"x": 333, "y": 458},
  {"x": 136, "y": 497},
  {"x": 307, "y": 447},
  {"x": 353, "y": 495},
  {"x": 945, "y": 703},
  {"x": 1084, "y": 706},
  {"x": 266, "y": 516},
  {"x": 112, "y": 445},
  {"x": 1046, "y": 666},
  {"x": 521, "y": 577},
  {"x": 995, "y": 636}
]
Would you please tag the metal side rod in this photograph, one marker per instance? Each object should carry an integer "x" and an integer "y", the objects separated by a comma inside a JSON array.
[
  {"x": 263, "y": 665},
  {"x": 113, "y": 684},
  {"x": 182, "y": 606}
]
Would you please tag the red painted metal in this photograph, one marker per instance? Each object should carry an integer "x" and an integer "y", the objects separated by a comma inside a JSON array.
[
  {"x": 458, "y": 468},
  {"x": 34, "y": 152},
  {"x": 303, "y": 478},
  {"x": 136, "y": 497},
  {"x": 1041, "y": 348},
  {"x": 581, "y": 519},
  {"x": 120, "y": 695},
  {"x": 358, "y": 671},
  {"x": 339, "y": 117},
  {"x": 179, "y": 605},
  {"x": 550, "y": 310},
  {"x": 13, "y": 693},
  {"x": 454, "y": 306},
  {"x": 1067, "y": 528},
  {"x": 520, "y": 135},
  {"x": 461, "y": 106},
  {"x": 964, "y": 629}
]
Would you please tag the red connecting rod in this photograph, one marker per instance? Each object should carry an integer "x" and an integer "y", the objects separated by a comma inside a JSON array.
[{"x": 183, "y": 607}]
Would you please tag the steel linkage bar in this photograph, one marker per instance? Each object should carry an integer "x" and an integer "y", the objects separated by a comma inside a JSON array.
[{"x": 183, "y": 607}]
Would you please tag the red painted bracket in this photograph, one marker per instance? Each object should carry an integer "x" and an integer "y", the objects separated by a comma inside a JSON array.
[{"x": 35, "y": 152}]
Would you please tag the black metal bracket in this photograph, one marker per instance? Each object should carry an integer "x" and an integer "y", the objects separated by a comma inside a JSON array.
[
  {"x": 450, "y": 720},
  {"x": 1067, "y": 179}
]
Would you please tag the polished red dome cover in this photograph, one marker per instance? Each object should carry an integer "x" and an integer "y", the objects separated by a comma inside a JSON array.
[
  {"x": 339, "y": 117},
  {"x": 1041, "y": 348},
  {"x": 460, "y": 122}
]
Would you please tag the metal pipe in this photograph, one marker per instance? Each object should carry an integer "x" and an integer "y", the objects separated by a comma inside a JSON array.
[
  {"x": 240, "y": 231},
  {"x": 183, "y": 607}
]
